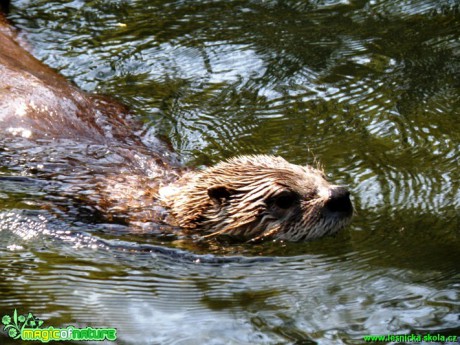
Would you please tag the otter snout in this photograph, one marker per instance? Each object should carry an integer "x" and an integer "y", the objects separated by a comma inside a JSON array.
[{"x": 339, "y": 201}]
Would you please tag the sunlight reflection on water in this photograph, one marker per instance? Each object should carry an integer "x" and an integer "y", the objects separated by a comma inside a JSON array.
[{"x": 368, "y": 88}]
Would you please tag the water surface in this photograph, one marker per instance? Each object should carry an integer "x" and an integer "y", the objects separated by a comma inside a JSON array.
[{"x": 368, "y": 88}]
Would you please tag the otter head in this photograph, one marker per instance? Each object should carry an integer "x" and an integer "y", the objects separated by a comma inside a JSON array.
[{"x": 259, "y": 197}]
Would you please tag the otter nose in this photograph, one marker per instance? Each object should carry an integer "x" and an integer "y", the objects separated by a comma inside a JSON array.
[{"x": 339, "y": 200}]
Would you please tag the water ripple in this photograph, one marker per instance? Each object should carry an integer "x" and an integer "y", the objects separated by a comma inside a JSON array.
[{"x": 368, "y": 88}]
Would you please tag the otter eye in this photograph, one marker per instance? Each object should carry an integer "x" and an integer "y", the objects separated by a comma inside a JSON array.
[{"x": 285, "y": 200}]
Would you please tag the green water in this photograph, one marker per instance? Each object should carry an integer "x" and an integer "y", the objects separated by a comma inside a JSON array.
[{"x": 371, "y": 89}]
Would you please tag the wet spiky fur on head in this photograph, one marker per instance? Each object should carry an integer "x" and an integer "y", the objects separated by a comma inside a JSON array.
[{"x": 255, "y": 197}]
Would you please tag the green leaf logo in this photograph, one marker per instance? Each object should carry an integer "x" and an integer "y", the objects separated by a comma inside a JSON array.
[{"x": 13, "y": 326}]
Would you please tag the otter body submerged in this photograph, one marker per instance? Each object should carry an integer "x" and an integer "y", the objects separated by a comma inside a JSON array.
[{"x": 87, "y": 143}]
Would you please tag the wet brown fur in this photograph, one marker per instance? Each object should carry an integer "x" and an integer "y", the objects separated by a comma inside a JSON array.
[
  {"x": 248, "y": 197},
  {"x": 253, "y": 198}
]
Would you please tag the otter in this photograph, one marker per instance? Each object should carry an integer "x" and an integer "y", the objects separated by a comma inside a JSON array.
[
  {"x": 89, "y": 145},
  {"x": 259, "y": 197}
]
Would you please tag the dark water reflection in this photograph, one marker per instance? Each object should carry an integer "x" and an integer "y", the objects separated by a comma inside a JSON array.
[{"x": 369, "y": 88}]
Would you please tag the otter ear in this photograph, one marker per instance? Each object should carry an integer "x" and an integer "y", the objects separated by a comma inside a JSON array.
[{"x": 219, "y": 193}]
